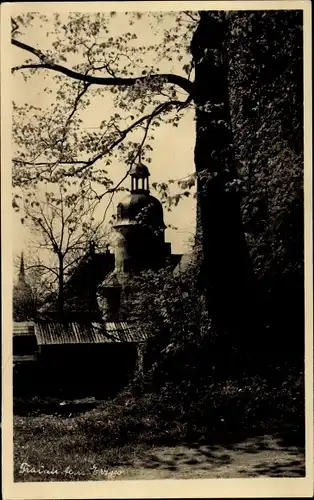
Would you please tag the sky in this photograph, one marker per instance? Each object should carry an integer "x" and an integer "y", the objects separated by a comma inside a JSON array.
[{"x": 173, "y": 147}]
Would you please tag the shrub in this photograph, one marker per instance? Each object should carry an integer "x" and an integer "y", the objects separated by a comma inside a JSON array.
[{"x": 168, "y": 416}]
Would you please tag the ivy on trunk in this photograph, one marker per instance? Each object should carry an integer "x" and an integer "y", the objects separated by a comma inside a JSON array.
[{"x": 227, "y": 272}]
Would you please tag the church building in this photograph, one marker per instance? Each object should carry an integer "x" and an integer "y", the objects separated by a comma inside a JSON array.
[{"x": 98, "y": 337}]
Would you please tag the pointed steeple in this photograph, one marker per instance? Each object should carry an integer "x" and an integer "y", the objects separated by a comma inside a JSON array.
[
  {"x": 23, "y": 302},
  {"x": 22, "y": 269}
]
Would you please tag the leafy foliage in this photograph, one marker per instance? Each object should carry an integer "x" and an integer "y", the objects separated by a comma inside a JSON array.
[
  {"x": 266, "y": 95},
  {"x": 170, "y": 310},
  {"x": 249, "y": 127},
  {"x": 56, "y": 136},
  {"x": 195, "y": 383}
]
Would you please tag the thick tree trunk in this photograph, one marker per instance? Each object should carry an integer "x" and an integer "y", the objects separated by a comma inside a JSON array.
[{"x": 227, "y": 271}]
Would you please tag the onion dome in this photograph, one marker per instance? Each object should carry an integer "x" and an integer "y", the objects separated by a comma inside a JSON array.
[{"x": 23, "y": 300}]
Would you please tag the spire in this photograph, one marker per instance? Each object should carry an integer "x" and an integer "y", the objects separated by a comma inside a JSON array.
[
  {"x": 23, "y": 301},
  {"x": 22, "y": 269}
]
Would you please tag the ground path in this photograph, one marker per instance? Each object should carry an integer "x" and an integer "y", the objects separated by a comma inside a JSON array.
[{"x": 266, "y": 456}]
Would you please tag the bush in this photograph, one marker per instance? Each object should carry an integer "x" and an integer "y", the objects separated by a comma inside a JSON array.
[{"x": 169, "y": 416}]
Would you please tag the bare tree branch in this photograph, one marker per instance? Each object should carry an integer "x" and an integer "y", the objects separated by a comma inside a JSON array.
[
  {"x": 157, "y": 111},
  {"x": 191, "y": 16},
  {"x": 14, "y": 27},
  {"x": 182, "y": 82},
  {"x": 42, "y": 266}
]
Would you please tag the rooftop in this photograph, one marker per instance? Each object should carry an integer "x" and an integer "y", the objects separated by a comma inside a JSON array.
[{"x": 87, "y": 333}]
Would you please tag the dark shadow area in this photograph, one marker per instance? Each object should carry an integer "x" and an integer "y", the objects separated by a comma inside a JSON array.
[
  {"x": 294, "y": 468},
  {"x": 51, "y": 406},
  {"x": 71, "y": 379},
  {"x": 230, "y": 460}
]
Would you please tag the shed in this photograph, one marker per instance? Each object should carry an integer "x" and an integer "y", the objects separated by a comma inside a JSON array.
[{"x": 25, "y": 347}]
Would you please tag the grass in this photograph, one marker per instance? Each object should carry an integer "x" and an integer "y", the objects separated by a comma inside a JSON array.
[
  {"x": 113, "y": 434},
  {"x": 58, "y": 445}
]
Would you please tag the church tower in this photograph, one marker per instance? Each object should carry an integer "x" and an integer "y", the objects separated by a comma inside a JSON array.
[
  {"x": 23, "y": 301},
  {"x": 140, "y": 228},
  {"x": 139, "y": 245}
]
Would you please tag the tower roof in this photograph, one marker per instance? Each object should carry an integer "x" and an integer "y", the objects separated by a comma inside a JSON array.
[
  {"x": 139, "y": 171},
  {"x": 141, "y": 207},
  {"x": 22, "y": 268},
  {"x": 23, "y": 301}
]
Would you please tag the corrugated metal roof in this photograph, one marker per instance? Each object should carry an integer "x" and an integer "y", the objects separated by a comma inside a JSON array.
[
  {"x": 91, "y": 333},
  {"x": 125, "y": 332},
  {"x": 23, "y": 328}
]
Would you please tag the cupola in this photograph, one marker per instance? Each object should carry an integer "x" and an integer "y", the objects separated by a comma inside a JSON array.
[
  {"x": 139, "y": 206},
  {"x": 139, "y": 178}
]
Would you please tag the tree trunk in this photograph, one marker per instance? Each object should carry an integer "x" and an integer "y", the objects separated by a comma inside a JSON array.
[
  {"x": 227, "y": 272},
  {"x": 61, "y": 288}
]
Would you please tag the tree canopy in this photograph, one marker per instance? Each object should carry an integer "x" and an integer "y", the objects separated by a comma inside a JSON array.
[
  {"x": 82, "y": 49},
  {"x": 242, "y": 74}
]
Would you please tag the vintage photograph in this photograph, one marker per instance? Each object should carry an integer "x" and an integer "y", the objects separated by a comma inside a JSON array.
[{"x": 158, "y": 244}]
